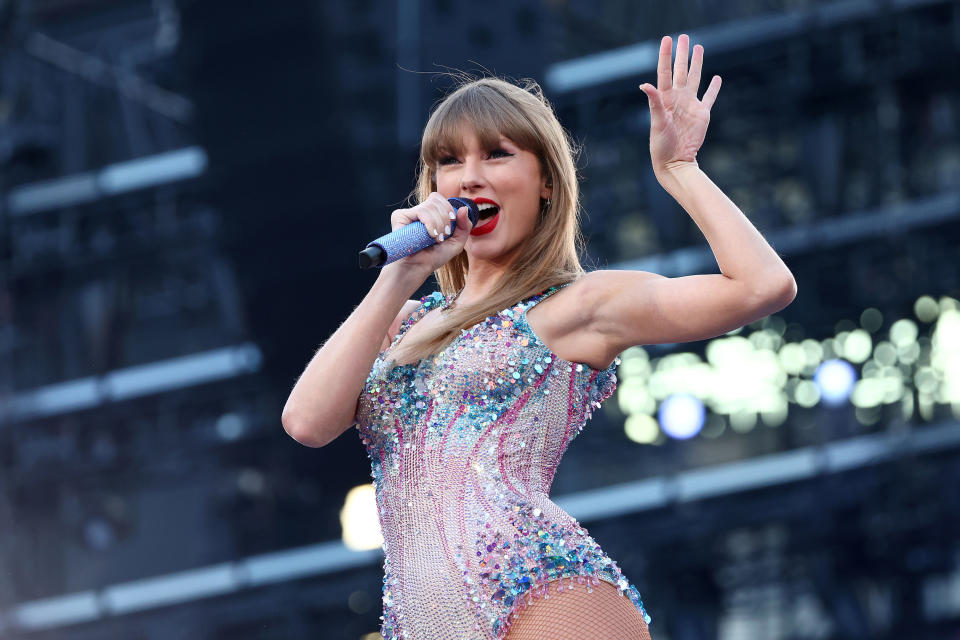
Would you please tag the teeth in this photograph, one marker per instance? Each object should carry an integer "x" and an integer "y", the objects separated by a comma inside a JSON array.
[{"x": 485, "y": 205}]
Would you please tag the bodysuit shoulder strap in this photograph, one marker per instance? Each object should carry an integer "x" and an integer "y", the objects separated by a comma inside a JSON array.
[
  {"x": 427, "y": 303},
  {"x": 533, "y": 300}
]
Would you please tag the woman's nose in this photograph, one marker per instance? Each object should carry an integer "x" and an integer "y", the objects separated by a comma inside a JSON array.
[{"x": 472, "y": 175}]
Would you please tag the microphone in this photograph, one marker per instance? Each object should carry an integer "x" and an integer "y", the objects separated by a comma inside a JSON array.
[{"x": 409, "y": 238}]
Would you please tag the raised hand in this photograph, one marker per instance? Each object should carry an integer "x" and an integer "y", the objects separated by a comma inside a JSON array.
[{"x": 678, "y": 120}]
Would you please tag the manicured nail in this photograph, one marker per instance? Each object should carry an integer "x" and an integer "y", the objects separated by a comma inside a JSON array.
[
  {"x": 434, "y": 231},
  {"x": 440, "y": 239},
  {"x": 446, "y": 229},
  {"x": 453, "y": 215}
]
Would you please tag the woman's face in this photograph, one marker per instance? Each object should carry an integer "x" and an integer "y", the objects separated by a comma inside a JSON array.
[{"x": 507, "y": 177}]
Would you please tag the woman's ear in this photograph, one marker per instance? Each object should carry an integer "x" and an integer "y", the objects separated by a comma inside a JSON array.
[{"x": 546, "y": 188}]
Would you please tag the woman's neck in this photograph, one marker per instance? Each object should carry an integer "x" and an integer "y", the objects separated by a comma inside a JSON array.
[{"x": 480, "y": 281}]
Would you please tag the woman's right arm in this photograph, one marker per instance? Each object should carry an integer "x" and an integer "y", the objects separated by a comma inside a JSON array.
[{"x": 323, "y": 402}]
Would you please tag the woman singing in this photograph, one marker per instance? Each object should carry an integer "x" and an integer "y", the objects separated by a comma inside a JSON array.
[{"x": 467, "y": 398}]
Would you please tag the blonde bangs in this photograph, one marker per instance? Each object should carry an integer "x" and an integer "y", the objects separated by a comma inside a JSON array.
[{"x": 483, "y": 111}]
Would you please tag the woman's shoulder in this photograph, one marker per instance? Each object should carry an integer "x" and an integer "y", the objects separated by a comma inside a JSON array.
[
  {"x": 562, "y": 320},
  {"x": 406, "y": 312}
]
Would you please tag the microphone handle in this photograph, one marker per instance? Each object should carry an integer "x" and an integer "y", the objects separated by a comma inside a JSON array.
[{"x": 409, "y": 239}]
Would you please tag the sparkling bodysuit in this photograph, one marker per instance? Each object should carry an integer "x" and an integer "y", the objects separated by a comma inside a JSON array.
[{"x": 463, "y": 448}]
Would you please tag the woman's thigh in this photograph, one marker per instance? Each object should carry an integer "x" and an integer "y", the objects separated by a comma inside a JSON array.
[{"x": 575, "y": 614}]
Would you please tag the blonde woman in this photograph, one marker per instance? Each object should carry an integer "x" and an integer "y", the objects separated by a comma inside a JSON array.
[{"x": 467, "y": 398}]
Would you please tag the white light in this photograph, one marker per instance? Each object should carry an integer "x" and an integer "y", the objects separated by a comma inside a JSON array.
[
  {"x": 857, "y": 346},
  {"x": 681, "y": 415},
  {"x": 835, "y": 379},
  {"x": 359, "y": 519}
]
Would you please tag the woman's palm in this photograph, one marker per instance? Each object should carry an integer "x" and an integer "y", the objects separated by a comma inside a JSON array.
[{"x": 678, "y": 120}]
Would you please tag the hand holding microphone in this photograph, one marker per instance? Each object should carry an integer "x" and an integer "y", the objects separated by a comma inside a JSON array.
[{"x": 430, "y": 233}]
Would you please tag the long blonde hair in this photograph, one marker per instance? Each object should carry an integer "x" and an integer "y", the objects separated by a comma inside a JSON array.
[{"x": 550, "y": 255}]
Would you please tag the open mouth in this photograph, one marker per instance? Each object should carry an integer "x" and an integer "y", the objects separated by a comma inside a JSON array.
[
  {"x": 485, "y": 225},
  {"x": 487, "y": 210},
  {"x": 488, "y": 218}
]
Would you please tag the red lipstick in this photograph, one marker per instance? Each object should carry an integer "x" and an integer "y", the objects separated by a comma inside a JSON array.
[{"x": 489, "y": 224}]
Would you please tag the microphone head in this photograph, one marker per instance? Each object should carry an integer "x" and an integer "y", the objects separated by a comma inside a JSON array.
[
  {"x": 372, "y": 256},
  {"x": 472, "y": 211}
]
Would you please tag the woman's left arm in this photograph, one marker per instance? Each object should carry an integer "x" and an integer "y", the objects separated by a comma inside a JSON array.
[{"x": 638, "y": 307}]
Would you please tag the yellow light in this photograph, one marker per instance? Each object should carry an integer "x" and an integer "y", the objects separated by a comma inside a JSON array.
[
  {"x": 634, "y": 362},
  {"x": 925, "y": 406},
  {"x": 727, "y": 351},
  {"x": 634, "y": 368},
  {"x": 926, "y": 380},
  {"x": 813, "y": 351},
  {"x": 867, "y": 393},
  {"x": 642, "y": 428},
  {"x": 792, "y": 358},
  {"x": 906, "y": 406},
  {"x": 839, "y": 341},
  {"x": 743, "y": 421},
  {"x": 359, "y": 520},
  {"x": 926, "y": 309},
  {"x": 766, "y": 340},
  {"x": 903, "y": 331},
  {"x": 857, "y": 346},
  {"x": 807, "y": 394},
  {"x": 776, "y": 412},
  {"x": 908, "y": 353},
  {"x": 885, "y": 354},
  {"x": 633, "y": 397},
  {"x": 945, "y": 353},
  {"x": 892, "y": 387}
]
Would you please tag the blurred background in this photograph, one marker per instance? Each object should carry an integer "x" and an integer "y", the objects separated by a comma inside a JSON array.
[{"x": 184, "y": 187}]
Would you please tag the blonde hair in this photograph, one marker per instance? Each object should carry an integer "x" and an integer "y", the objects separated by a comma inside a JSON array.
[{"x": 550, "y": 255}]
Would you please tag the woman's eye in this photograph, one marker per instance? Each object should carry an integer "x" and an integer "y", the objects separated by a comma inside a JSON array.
[
  {"x": 500, "y": 153},
  {"x": 447, "y": 160}
]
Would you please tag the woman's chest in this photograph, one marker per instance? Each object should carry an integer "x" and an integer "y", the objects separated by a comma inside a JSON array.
[{"x": 485, "y": 371}]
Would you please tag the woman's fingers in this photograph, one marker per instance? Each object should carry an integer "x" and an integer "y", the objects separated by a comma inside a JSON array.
[
  {"x": 696, "y": 66},
  {"x": 710, "y": 95},
  {"x": 664, "y": 77},
  {"x": 437, "y": 216},
  {"x": 685, "y": 71},
  {"x": 680, "y": 64}
]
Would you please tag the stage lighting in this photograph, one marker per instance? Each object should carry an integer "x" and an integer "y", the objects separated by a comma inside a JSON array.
[
  {"x": 835, "y": 379},
  {"x": 681, "y": 415}
]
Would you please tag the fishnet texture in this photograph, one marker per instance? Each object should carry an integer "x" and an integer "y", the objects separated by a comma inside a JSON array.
[{"x": 577, "y": 614}]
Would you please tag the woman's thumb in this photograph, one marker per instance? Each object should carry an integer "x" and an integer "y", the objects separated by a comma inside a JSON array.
[
  {"x": 463, "y": 220},
  {"x": 653, "y": 99}
]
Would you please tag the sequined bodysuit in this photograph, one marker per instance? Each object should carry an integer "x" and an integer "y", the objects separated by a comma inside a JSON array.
[{"x": 463, "y": 448}]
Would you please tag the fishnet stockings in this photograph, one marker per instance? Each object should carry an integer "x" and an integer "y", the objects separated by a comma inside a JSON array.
[{"x": 578, "y": 615}]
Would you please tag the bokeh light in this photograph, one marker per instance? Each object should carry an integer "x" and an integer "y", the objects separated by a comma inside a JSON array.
[
  {"x": 681, "y": 416},
  {"x": 835, "y": 379},
  {"x": 359, "y": 520}
]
